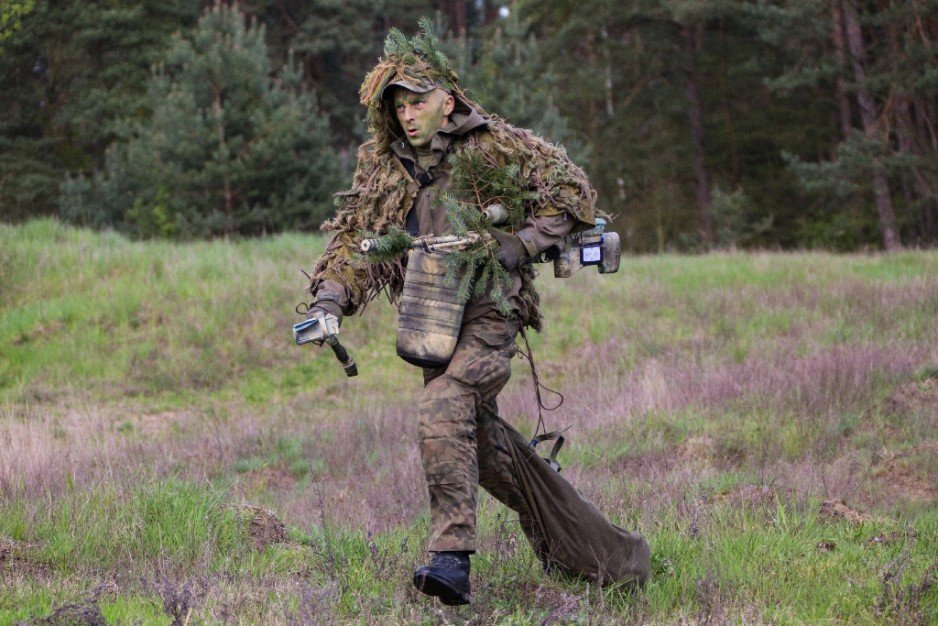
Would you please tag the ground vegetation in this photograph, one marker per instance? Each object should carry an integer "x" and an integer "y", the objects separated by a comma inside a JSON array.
[{"x": 167, "y": 455}]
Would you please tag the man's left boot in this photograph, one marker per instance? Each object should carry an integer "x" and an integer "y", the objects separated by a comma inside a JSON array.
[{"x": 446, "y": 577}]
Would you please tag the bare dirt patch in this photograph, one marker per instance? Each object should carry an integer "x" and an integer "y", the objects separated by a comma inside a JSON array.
[
  {"x": 892, "y": 537},
  {"x": 907, "y": 474},
  {"x": 837, "y": 510},
  {"x": 263, "y": 527},
  {"x": 700, "y": 449},
  {"x": 15, "y": 561}
]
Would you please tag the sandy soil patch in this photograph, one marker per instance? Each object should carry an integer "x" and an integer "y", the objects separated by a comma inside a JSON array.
[{"x": 907, "y": 474}]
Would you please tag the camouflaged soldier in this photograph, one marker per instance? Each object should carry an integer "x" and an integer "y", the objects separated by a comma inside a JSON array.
[{"x": 419, "y": 118}]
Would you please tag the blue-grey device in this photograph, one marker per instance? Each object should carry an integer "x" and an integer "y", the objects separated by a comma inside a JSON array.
[{"x": 325, "y": 329}]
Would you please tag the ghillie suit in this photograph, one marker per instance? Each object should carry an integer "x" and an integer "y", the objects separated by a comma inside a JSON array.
[
  {"x": 383, "y": 191},
  {"x": 473, "y": 161}
]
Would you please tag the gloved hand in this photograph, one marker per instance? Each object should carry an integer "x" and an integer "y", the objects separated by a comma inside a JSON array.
[
  {"x": 323, "y": 307},
  {"x": 511, "y": 252}
]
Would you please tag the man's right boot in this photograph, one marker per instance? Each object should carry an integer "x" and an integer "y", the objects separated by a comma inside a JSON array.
[{"x": 446, "y": 577}]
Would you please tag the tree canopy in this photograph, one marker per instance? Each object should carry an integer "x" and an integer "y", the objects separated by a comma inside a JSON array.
[{"x": 766, "y": 123}]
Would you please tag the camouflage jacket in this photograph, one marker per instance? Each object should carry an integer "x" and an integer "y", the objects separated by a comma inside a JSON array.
[{"x": 389, "y": 185}]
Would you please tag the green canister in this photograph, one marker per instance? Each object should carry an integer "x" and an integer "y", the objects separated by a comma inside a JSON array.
[{"x": 430, "y": 315}]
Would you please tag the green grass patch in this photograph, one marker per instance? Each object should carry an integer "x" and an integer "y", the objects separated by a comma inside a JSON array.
[{"x": 103, "y": 338}]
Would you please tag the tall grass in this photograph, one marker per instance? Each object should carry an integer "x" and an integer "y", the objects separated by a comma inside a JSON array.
[{"x": 148, "y": 387}]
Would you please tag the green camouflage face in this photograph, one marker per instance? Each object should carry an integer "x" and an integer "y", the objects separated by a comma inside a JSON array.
[{"x": 421, "y": 114}]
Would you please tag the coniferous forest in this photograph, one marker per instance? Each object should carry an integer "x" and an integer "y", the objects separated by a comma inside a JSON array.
[{"x": 702, "y": 123}]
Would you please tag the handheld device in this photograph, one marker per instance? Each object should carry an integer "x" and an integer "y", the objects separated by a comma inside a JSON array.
[
  {"x": 325, "y": 329},
  {"x": 587, "y": 248}
]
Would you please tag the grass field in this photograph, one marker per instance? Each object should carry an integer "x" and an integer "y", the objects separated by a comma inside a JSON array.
[{"x": 768, "y": 421}]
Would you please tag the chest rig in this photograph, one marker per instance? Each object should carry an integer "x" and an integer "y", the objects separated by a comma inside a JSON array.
[{"x": 430, "y": 314}]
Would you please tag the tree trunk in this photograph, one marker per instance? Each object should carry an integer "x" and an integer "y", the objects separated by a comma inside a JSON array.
[
  {"x": 725, "y": 90},
  {"x": 607, "y": 73},
  {"x": 925, "y": 112},
  {"x": 455, "y": 11},
  {"x": 837, "y": 36},
  {"x": 220, "y": 132},
  {"x": 920, "y": 192},
  {"x": 690, "y": 36},
  {"x": 610, "y": 103},
  {"x": 868, "y": 114}
]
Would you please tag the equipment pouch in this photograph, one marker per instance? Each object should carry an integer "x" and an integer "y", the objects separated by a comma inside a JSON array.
[{"x": 430, "y": 314}]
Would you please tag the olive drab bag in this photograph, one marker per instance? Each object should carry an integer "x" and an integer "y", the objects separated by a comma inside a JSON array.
[
  {"x": 430, "y": 313},
  {"x": 567, "y": 531}
]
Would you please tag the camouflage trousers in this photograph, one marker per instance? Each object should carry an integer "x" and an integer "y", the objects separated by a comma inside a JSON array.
[{"x": 461, "y": 444}]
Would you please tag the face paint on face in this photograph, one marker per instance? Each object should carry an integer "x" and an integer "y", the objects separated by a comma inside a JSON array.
[{"x": 422, "y": 114}]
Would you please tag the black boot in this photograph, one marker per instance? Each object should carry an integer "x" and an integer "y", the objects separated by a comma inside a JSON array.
[{"x": 446, "y": 577}]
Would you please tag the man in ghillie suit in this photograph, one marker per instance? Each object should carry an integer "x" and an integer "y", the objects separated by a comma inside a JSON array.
[{"x": 434, "y": 162}]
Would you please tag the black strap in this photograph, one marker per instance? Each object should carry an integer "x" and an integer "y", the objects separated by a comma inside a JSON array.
[
  {"x": 541, "y": 407},
  {"x": 558, "y": 444},
  {"x": 410, "y": 223},
  {"x": 424, "y": 179}
]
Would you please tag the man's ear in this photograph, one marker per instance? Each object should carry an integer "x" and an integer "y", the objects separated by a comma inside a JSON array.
[{"x": 449, "y": 105}]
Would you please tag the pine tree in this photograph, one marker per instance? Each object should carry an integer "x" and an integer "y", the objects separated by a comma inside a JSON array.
[
  {"x": 336, "y": 43},
  {"x": 226, "y": 149},
  {"x": 871, "y": 59},
  {"x": 508, "y": 74},
  {"x": 67, "y": 72},
  {"x": 11, "y": 15}
]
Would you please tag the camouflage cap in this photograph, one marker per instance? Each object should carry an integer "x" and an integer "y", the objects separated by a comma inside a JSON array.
[
  {"x": 420, "y": 85},
  {"x": 417, "y": 64}
]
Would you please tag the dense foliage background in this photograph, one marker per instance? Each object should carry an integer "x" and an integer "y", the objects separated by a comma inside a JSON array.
[{"x": 725, "y": 123}]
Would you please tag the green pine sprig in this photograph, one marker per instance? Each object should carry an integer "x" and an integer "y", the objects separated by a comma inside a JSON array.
[
  {"x": 475, "y": 268},
  {"x": 425, "y": 45},
  {"x": 389, "y": 247},
  {"x": 477, "y": 180},
  {"x": 474, "y": 183}
]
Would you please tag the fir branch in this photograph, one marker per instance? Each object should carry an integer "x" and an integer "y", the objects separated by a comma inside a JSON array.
[
  {"x": 388, "y": 247},
  {"x": 482, "y": 280},
  {"x": 482, "y": 183},
  {"x": 396, "y": 43},
  {"x": 461, "y": 267},
  {"x": 425, "y": 46},
  {"x": 474, "y": 176},
  {"x": 501, "y": 283}
]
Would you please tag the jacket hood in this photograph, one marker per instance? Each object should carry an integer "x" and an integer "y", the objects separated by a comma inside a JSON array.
[
  {"x": 417, "y": 62},
  {"x": 463, "y": 119}
]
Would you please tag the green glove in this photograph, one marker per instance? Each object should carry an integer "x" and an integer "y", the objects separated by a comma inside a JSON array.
[{"x": 511, "y": 251}]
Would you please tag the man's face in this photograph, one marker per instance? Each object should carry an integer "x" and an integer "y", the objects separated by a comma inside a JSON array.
[{"x": 422, "y": 114}]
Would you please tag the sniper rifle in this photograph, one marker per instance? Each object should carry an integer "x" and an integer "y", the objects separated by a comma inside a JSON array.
[{"x": 593, "y": 247}]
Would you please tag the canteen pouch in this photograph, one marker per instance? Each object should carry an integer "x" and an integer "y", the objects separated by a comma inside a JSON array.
[{"x": 430, "y": 315}]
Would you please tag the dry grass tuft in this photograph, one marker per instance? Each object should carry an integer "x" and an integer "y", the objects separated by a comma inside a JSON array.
[{"x": 916, "y": 397}]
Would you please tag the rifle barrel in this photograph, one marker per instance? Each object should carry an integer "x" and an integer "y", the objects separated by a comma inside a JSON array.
[{"x": 428, "y": 243}]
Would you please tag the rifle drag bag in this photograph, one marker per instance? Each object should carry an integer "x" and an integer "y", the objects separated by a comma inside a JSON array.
[{"x": 567, "y": 531}]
